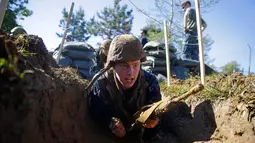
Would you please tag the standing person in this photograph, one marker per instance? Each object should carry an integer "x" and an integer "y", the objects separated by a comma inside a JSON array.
[
  {"x": 190, "y": 49},
  {"x": 144, "y": 38}
]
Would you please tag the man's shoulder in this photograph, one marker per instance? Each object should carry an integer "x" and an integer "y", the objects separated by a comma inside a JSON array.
[
  {"x": 101, "y": 81},
  {"x": 150, "y": 77},
  {"x": 153, "y": 87},
  {"x": 191, "y": 10}
]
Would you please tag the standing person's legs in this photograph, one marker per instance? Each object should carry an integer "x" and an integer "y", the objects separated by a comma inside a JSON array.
[
  {"x": 190, "y": 49},
  {"x": 186, "y": 48},
  {"x": 194, "y": 52}
]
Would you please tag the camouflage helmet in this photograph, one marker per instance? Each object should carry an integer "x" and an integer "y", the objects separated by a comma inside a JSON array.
[
  {"x": 18, "y": 30},
  {"x": 125, "y": 48},
  {"x": 105, "y": 46}
]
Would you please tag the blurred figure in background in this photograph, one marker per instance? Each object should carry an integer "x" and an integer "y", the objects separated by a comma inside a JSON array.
[
  {"x": 144, "y": 38},
  {"x": 101, "y": 54}
]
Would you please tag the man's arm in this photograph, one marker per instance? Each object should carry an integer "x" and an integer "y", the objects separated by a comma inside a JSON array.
[
  {"x": 153, "y": 92},
  {"x": 99, "y": 110},
  {"x": 153, "y": 95},
  {"x": 102, "y": 112},
  {"x": 204, "y": 24},
  {"x": 185, "y": 24}
]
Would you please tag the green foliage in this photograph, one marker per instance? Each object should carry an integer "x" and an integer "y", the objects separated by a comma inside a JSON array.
[
  {"x": 2, "y": 62},
  {"x": 26, "y": 53},
  {"x": 111, "y": 22},
  {"x": 231, "y": 67},
  {"x": 16, "y": 9},
  {"x": 155, "y": 31},
  {"x": 77, "y": 30},
  {"x": 10, "y": 65},
  {"x": 208, "y": 42}
]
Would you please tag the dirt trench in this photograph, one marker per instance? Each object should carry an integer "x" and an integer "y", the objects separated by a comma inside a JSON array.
[
  {"x": 233, "y": 110},
  {"x": 48, "y": 104}
]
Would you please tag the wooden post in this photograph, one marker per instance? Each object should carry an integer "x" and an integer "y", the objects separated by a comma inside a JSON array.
[
  {"x": 3, "y": 6},
  {"x": 249, "y": 68},
  {"x": 64, "y": 36},
  {"x": 200, "y": 42},
  {"x": 168, "y": 68}
]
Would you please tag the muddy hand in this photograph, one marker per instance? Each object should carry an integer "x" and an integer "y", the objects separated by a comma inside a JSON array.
[
  {"x": 151, "y": 123},
  {"x": 117, "y": 127}
]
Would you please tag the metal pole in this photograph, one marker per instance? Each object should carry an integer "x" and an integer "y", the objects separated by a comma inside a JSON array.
[
  {"x": 249, "y": 69},
  {"x": 200, "y": 42},
  {"x": 64, "y": 36},
  {"x": 167, "y": 54},
  {"x": 3, "y": 6}
]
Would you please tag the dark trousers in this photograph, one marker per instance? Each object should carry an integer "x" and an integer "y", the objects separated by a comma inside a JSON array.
[{"x": 190, "y": 49}]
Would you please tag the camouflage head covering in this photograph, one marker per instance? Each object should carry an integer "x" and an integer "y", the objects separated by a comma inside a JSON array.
[
  {"x": 125, "y": 48},
  {"x": 18, "y": 30},
  {"x": 105, "y": 46}
]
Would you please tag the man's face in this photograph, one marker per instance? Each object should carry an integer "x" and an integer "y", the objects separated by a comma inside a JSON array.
[
  {"x": 142, "y": 34},
  {"x": 184, "y": 7},
  {"x": 127, "y": 73}
]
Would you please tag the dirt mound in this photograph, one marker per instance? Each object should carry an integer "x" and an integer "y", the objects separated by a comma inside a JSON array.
[
  {"x": 40, "y": 102},
  {"x": 229, "y": 116}
]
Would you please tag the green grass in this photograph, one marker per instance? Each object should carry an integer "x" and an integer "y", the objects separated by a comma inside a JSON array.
[{"x": 217, "y": 86}]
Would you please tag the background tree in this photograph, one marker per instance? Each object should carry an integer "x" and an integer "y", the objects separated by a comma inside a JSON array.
[
  {"x": 111, "y": 22},
  {"x": 16, "y": 10},
  {"x": 77, "y": 30},
  {"x": 230, "y": 67}
]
